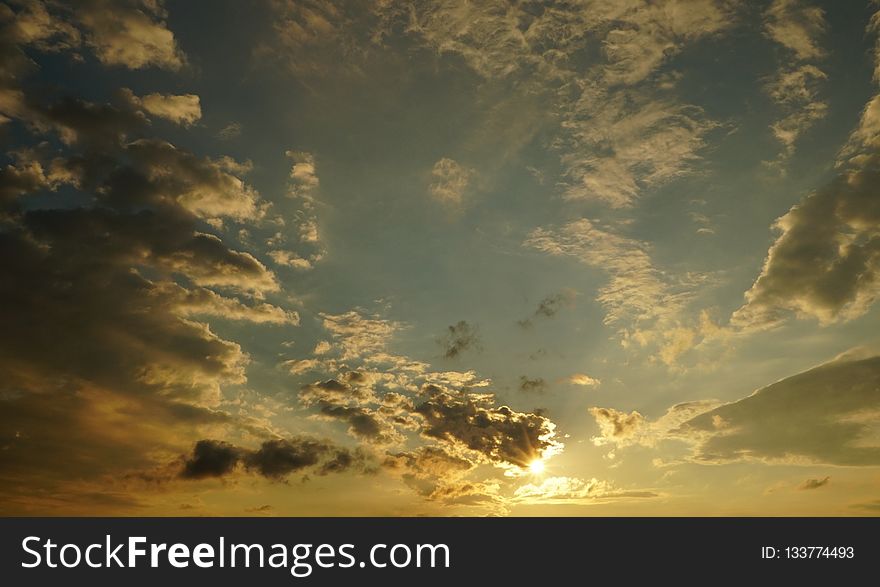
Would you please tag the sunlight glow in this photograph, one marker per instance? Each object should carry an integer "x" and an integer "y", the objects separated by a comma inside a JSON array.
[{"x": 536, "y": 467}]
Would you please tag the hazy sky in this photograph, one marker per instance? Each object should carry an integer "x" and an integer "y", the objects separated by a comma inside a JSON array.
[{"x": 439, "y": 257}]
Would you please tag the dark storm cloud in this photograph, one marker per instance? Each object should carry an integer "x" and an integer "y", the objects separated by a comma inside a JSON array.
[
  {"x": 498, "y": 433},
  {"x": 275, "y": 459},
  {"x": 459, "y": 338},
  {"x": 824, "y": 415},
  {"x": 814, "y": 483}
]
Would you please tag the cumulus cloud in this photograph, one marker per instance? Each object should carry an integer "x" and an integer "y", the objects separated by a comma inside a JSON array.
[
  {"x": 828, "y": 414},
  {"x": 131, "y": 33},
  {"x": 450, "y": 181},
  {"x": 824, "y": 263},
  {"x": 497, "y": 434},
  {"x": 460, "y": 337}
]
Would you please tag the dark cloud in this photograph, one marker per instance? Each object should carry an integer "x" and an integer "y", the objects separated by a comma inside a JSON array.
[
  {"x": 550, "y": 306},
  {"x": 330, "y": 391},
  {"x": 104, "y": 284},
  {"x": 537, "y": 385},
  {"x": 278, "y": 458},
  {"x": 814, "y": 483},
  {"x": 459, "y": 338},
  {"x": 211, "y": 458},
  {"x": 497, "y": 433},
  {"x": 824, "y": 415},
  {"x": 275, "y": 459},
  {"x": 363, "y": 423}
]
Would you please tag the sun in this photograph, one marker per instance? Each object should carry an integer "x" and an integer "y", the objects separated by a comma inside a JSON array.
[{"x": 536, "y": 467}]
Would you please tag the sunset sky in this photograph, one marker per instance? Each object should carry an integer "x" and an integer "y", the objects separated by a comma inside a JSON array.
[{"x": 439, "y": 257}]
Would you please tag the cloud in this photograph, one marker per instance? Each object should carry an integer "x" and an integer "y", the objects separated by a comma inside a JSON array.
[
  {"x": 537, "y": 385},
  {"x": 314, "y": 38},
  {"x": 365, "y": 424},
  {"x": 798, "y": 27},
  {"x": 828, "y": 414},
  {"x": 619, "y": 130},
  {"x": 230, "y": 131},
  {"x": 460, "y": 337},
  {"x": 637, "y": 292},
  {"x": 622, "y": 143},
  {"x": 298, "y": 366},
  {"x": 275, "y": 459},
  {"x": 131, "y": 33},
  {"x": 290, "y": 259},
  {"x": 824, "y": 264},
  {"x": 498, "y": 435},
  {"x": 622, "y": 429},
  {"x": 303, "y": 175},
  {"x": 814, "y": 483},
  {"x": 303, "y": 186},
  {"x": 572, "y": 490},
  {"x": 352, "y": 401},
  {"x": 184, "y": 110},
  {"x": 211, "y": 458},
  {"x": 450, "y": 181},
  {"x": 617, "y": 427},
  {"x": 110, "y": 291},
  {"x": 582, "y": 379},
  {"x": 359, "y": 336},
  {"x": 551, "y": 305}
]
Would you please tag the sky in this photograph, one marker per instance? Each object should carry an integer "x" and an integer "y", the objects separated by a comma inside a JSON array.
[{"x": 439, "y": 258}]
